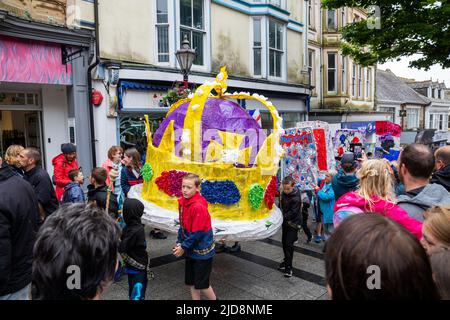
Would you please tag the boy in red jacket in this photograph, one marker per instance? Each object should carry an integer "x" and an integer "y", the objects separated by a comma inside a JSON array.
[{"x": 195, "y": 238}]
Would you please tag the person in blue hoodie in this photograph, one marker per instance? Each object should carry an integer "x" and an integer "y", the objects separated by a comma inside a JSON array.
[
  {"x": 73, "y": 193},
  {"x": 345, "y": 180},
  {"x": 326, "y": 199}
]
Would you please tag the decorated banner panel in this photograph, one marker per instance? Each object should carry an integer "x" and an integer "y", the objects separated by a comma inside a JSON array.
[
  {"x": 388, "y": 128},
  {"x": 345, "y": 138},
  {"x": 369, "y": 127},
  {"x": 29, "y": 61},
  {"x": 300, "y": 158},
  {"x": 324, "y": 143},
  {"x": 215, "y": 138},
  {"x": 387, "y": 140}
]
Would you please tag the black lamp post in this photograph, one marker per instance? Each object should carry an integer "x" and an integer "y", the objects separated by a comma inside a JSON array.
[{"x": 185, "y": 57}]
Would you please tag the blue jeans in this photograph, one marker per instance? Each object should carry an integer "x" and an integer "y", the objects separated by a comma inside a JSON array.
[{"x": 22, "y": 294}]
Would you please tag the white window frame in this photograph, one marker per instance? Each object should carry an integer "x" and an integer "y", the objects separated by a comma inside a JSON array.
[
  {"x": 277, "y": 3},
  {"x": 311, "y": 63},
  {"x": 344, "y": 74},
  {"x": 334, "y": 17},
  {"x": 368, "y": 80},
  {"x": 206, "y": 67},
  {"x": 283, "y": 50},
  {"x": 431, "y": 121},
  {"x": 261, "y": 20},
  {"x": 354, "y": 73},
  {"x": 312, "y": 14},
  {"x": 343, "y": 17},
  {"x": 360, "y": 86},
  {"x": 410, "y": 113},
  {"x": 170, "y": 33},
  {"x": 335, "y": 69}
]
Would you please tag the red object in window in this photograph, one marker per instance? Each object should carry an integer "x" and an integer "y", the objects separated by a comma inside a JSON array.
[{"x": 96, "y": 98}]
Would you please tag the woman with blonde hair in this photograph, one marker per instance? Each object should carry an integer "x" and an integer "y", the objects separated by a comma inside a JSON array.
[
  {"x": 436, "y": 229},
  {"x": 375, "y": 194},
  {"x": 12, "y": 158}
]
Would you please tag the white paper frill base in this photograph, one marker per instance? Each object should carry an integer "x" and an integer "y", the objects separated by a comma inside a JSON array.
[{"x": 227, "y": 230}]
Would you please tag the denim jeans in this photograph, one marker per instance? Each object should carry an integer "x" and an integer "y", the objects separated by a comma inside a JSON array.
[{"x": 22, "y": 294}]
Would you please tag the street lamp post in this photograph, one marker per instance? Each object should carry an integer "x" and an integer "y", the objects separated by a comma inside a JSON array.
[{"x": 185, "y": 57}]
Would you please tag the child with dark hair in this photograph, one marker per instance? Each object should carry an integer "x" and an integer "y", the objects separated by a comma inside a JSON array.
[
  {"x": 73, "y": 193},
  {"x": 291, "y": 207},
  {"x": 133, "y": 249},
  {"x": 195, "y": 238},
  {"x": 98, "y": 193},
  {"x": 372, "y": 257},
  {"x": 75, "y": 255}
]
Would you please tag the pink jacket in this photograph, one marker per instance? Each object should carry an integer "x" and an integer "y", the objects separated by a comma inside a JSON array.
[{"x": 352, "y": 203}]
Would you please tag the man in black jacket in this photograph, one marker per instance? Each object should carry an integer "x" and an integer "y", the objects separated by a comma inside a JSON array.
[
  {"x": 133, "y": 248},
  {"x": 19, "y": 214},
  {"x": 442, "y": 165},
  {"x": 98, "y": 192},
  {"x": 291, "y": 206},
  {"x": 39, "y": 179}
]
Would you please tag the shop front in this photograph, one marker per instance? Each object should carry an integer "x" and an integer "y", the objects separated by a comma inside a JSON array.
[{"x": 43, "y": 95}]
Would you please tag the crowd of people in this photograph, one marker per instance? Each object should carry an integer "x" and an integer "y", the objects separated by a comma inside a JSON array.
[{"x": 394, "y": 216}]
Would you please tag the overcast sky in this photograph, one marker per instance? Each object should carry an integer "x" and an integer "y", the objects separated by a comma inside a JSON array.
[{"x": 400, "y": 68}]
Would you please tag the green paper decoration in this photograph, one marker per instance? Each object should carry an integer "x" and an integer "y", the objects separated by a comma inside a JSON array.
[
  {"x": 147, "y": 172},
  {"x": 256, "y": 195}
]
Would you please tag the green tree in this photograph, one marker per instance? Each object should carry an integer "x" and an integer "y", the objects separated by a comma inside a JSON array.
[{"x": 408, "y": 27}]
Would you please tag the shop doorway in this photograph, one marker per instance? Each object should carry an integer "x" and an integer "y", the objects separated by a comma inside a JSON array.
[{"x": 20, "y": 127}]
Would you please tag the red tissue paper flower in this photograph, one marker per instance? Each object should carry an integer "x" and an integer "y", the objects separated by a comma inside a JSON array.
[
  {"x": 170, "y": 182},
  {"x": 270, "y": 193}
]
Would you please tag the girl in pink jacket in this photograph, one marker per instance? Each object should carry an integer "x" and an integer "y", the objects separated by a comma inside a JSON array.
[{"x": 375, "y": 194}]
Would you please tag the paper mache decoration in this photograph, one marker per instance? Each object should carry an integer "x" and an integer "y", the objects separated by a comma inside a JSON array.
[{"x": 210, "y": 135}]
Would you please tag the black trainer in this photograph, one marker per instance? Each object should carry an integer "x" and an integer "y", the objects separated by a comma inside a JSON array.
[
  {"x": 159, "y": 235},
  {"x": 288, "y": 273},
  {"x": 282, "y": 266},
  {"x": 235, "y": 248}
]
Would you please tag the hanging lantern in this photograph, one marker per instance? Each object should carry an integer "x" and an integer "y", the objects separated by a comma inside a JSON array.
[{"x": 96, "y": 98}]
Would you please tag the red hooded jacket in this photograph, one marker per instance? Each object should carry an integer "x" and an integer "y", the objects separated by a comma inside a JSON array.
[{"x": 61, "y": 173}]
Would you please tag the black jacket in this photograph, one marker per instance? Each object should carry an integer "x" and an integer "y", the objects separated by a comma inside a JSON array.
[
  {"x": 442, "y": 177},
  {"x": 19, "y": 215},
  {"x": 43, "y": 187},
  {"x": 99, "y": 196},
  {"x": 133, "y": 235},
  {"x": 291, "y": 206}
]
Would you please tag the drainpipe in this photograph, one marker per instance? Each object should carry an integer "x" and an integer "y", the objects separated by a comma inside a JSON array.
[
  {"x": 89, "y": 75},
  {"x": 306, "y": 58}
]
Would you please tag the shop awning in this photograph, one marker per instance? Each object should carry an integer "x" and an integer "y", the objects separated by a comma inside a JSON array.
[{"x": 125, "y": 85}]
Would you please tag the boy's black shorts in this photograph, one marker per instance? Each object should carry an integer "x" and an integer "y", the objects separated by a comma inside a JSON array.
[{"x": 197, "y": 273}]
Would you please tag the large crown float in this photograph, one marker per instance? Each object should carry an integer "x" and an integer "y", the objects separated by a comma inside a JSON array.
[{"x": 215, "y": 138}]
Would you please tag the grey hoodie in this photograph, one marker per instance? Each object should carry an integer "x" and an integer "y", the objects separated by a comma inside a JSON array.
[{"x": 431, "y": 195}]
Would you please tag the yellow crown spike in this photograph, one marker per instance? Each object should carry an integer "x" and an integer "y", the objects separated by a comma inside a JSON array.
[
  {"x": 231, "y": 140},
  {"x": 244, "y": 156},
  {"x": 147, "y": 129},
  {"x": 221, "y": 79},
  {"x": 214, "y": 152},
  {"x": 168, "y": 140}
]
